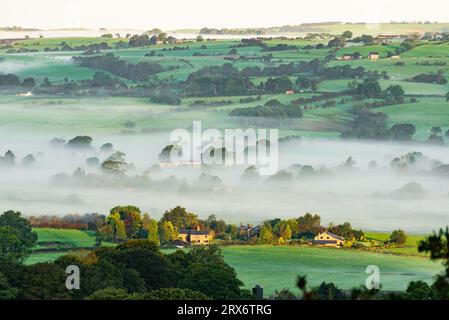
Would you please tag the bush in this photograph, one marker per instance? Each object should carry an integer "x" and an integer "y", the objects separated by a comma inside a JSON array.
[
  {"x": 80, "y": 142},
  {"x": 419, "y": 290},
  {"x": 166, "y": 99},
  {"x": 398, "y": 237},
  {"x": 174, "y": 294},
  {"x": 109, "y": 294}
]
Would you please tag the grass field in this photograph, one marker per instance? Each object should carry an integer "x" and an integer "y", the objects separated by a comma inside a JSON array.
[
  {"x": 409, "y": 248},
  {"x": 276, "y": 267},
  {"x": 108, "y": 115},
  {"x": 426, "y": 113},
  {"x": 76, "y": 238}
]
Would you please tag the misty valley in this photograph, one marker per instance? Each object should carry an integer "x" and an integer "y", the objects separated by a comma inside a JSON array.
[
  {"x": 374, "y": 185},
  {"x": 118, "y": 163}
]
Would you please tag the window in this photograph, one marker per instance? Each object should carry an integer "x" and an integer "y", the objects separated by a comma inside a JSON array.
[
  {"x": 327, "y": 238},
  {"x": 321, "y": 237}
]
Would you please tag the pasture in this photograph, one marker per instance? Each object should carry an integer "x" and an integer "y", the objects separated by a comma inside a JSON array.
[
  {"x": 75, "y": 238},
  {"x": 276, "y": 267}
]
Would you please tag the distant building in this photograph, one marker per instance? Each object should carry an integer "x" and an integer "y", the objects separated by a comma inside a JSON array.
[
  {"x": 26, "y": 94},
  {"x": 154, "y": 40},
  {"x": 373, "y": 56},
  {"x": 347, "y": 57},
  {"x": 288, "y": 92},
  {"x": 387, "y": 38},
  {"x": 328, "y": 239},
  {"x": 249, "y": 231},
  {"x": 195, "y": 237}
]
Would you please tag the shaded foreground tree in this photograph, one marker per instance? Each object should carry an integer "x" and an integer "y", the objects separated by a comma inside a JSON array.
[
  {"x": 16, "y": 237},
  {"x": 135, "y": 269},
  {"x": 438, "y": 247}
]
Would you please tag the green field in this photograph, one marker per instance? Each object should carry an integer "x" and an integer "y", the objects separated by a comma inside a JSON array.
[
  {"x": 409, "y": 248},
  {"x": 426, "y": 113},
  {"x": 105, "y": 115},
  {"x": 76, "y": 238},
  {"x": 276, "y": 267},
  {"x": 109, "y": 114}
]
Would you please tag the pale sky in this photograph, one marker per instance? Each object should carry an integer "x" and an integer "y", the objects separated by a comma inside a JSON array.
[{"x": 176, "y": 14}]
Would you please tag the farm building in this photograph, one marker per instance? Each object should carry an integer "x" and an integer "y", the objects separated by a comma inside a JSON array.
[
  {"x": 373, "y": 56},
  {"x": 328, "y": 239},
  {"x": 249, "y": 230},
  {"x": 26, "y": 94},
  {"x": 347, "y": 57},
  {"x": 387, "y": 38},
  {"x": 195, "y": 237}
]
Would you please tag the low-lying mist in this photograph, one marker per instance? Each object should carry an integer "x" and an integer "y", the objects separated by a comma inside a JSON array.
[{"x": 376, "y": 186}]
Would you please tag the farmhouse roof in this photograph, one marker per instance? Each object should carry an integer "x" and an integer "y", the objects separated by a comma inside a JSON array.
[
  {"x": 194, "y": 232},
  {"x": 334, "y": 235}
]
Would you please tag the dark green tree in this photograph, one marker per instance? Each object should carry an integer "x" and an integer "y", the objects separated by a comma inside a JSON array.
[
  {"x": 17, "y": 237},
  {"x": 437, "y": 245},
  {"x": 180, "y": 218},
  {"x": 44, "y": 281},
  {"x": 347, "y": 34},
  {"x": 398, "y": 237},
  {"x": 419, "y": 290},
  {"x": 402, "y": 132}
]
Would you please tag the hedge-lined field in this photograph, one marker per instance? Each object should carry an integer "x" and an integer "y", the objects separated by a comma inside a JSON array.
[{"x": 276, "y": 267}]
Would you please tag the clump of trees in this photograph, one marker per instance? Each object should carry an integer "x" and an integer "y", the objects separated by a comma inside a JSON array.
[
  {"x": 8, "y": 160},
  {"x": 88, "y": 221},
  {"x": 139, "y": 40},
  {"x": 128, "y": 222},
  {"x": 12, "y": 80},
  {"x": 80, "y": 142},
  {"x": 136, "y": 72},
  {"x": 133, "y": 270},
  {"x": 437, "y": 78},
  {"x": 368, "y": 125},
  {"x": 217, "y": 80},
  {"x": 435, "y": 136},
  {"x": 398, "y": 237},
  {"x": 166, "y": 99},
  {"x": 371, "y": 125},
  {"x": 91, "y": 48},
  {"x": 271, "y": 109}
]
